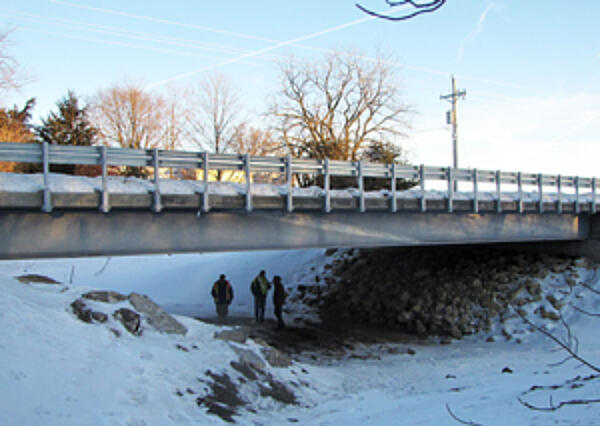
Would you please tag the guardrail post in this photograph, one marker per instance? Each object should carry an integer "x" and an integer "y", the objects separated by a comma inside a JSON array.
[
  {"x": 520, "y": 189},
  {"x": 205, "y": 208},
  {"x": 593, "y": 195},
  {"x": 475, "y": 191},
  {"x": 361, "y": 187},
  {"x": 326, "y": 185},
  {"x": 157, "y": 207},
  {"x": 450, "y": 190},
  {"x": 289, "y": 201},
  {"x": 540, "y": 179},
  {"x": 577, "y": 205},
  {"x": 559, "y": 189},
  {"x": 499, "y": 191},
  {"x": 422, "y": 184},
  {"x": 47, "y": 201},
  {"x": 248, "y": 183},
  {"x": 393, "y": 202},
  {"x": 104, "y": 206}
]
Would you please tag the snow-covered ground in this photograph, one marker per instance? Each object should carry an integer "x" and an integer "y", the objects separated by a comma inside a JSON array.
[{"x": 57, "y": 370}]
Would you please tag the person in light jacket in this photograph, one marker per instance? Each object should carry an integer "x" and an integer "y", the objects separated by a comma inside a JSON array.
[{"x": 260, "y": 287}]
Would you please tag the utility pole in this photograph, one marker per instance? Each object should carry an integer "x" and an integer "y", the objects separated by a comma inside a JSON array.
[{"x": 451, "y": 119}]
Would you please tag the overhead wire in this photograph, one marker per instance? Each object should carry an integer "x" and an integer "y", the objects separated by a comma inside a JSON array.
[
  {"x": 121, "y": 44},
  {"x": 125, "y": 33}
]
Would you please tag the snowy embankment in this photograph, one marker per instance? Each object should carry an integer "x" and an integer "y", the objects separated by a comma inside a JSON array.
[
  {"x": 16, "y": 182},
  {"x": 58, "y": 370},
  {"x": 181, "y": 283}
]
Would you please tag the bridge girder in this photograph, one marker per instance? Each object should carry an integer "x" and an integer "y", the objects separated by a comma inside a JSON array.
[{"x": 73, "y": 233}]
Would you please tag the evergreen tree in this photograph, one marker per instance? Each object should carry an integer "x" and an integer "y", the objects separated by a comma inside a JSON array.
[
  {"x": 69, "y": 125},
  {"x": 14, "y": 123}
]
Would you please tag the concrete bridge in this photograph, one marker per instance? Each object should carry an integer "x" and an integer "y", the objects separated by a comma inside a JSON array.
[{"x": 50, "y": 215}]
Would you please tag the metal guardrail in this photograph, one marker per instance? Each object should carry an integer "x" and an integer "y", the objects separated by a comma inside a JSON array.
[{"x": 103, "y": 156}]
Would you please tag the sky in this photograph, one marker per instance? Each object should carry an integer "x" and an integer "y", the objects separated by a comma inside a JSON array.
[{"x": 531, "y": 71}]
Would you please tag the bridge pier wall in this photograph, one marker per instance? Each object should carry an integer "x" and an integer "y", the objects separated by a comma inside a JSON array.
[{"x": 589, "y": 247}]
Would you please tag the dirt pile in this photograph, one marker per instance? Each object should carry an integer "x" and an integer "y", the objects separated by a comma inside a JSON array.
[{"x": 445, "y": 291}]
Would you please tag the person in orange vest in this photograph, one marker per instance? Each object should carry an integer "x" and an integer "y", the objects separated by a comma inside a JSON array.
[
  {"x": 278, "y": 299},
  {"x": 222, "y": 293}
]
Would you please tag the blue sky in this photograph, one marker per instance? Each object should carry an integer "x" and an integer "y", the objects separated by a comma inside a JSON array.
[{"x": 531, "y": 68}]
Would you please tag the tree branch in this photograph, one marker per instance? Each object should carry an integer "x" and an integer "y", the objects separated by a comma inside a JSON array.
[
  {"x": 591, "y": 314},
  {"x": 562, "y": 344},
  {"x": 421, "y": 8},
  {"x": 552, "y": 407},
  {"x": 464, "y": 422}
]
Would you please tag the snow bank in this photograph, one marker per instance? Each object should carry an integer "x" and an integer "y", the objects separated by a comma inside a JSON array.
[{"x": 14, "y": 182}]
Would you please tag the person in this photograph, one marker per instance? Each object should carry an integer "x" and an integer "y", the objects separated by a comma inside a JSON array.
[
  {"x": 278, "y": 299},
  {"x": 222, "y": 293},
  {"x": 260, "y": 287}
]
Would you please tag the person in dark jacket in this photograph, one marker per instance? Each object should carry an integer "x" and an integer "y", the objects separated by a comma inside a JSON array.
[
  {"x": 260, "y": 287},
  {"x": 222, "y": 293},
  {"x": 278, "y": 299}
]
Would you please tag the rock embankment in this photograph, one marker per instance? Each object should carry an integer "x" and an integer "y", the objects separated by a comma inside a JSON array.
[{"x": 445, "y": 291}]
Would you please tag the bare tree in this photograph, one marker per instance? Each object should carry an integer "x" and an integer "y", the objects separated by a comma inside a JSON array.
[
  {"x": 335, "y": 107},
  {"x": 255, "y": 141},
  {"x": 128, "y": 116},
  {"x": 176, "y": 118},
  {"x": 216, "y": 107},
  {"x": 12, "y": 77},
  {"x": 415, "y": 8},
  {"x": 177, "y": 115}
]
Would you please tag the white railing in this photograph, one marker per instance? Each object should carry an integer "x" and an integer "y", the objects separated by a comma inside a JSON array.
[{"x": 156, "y": 159}]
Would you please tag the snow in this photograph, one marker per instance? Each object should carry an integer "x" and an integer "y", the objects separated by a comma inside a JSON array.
[
  {"x": 15, "y": 182},
  {"x": 58, "y": 370}
]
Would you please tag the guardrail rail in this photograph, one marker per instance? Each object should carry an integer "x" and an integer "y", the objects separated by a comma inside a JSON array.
[{"x": 47, "y": 154}]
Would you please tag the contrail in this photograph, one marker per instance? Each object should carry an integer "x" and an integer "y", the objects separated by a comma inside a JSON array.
[
  {"x": 278, "y": 43},
  {"x": 161, "y": 21},
  {"x": 179, "y": 24},
  {"x": 119, "y": 32},
  {"x": 121, "y": 44},
  {"x": 261, "y": 51}
]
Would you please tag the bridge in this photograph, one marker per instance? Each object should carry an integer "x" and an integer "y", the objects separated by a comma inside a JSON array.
[{"x": 55, "y": 215}]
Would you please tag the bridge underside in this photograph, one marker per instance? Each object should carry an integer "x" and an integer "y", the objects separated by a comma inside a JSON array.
[{"x": 72, "y": 233}]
